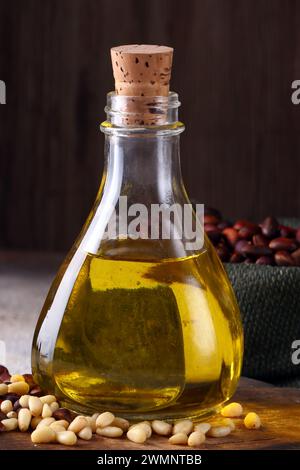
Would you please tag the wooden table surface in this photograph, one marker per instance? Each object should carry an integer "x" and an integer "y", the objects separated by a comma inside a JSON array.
[
  {"x": 279, "y": 409},
  {"x": 24, "y": 282}
]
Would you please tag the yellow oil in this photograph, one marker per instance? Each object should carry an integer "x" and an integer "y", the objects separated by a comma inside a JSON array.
[{"x": 145, "y": 338}]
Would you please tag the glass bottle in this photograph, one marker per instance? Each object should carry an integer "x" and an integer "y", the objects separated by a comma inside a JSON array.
[{"x": 138, "y": 320}]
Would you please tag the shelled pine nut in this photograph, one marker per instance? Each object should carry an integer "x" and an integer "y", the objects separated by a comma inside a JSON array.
[
  {"x": 78, "y": 423},
  {"x": 95, "y": 416},
  {"x": 24, "y": 419},
  {"x": 120, "y": 423},
  {"x": 228, "y": 422},
  {"x": 10, "y": 424},
  {"x": 45, "y": 422},
  {"x": 109, "y": 431},
  {"x": 20, "y": 388},
  {"x": 144, "y": 425},
  {"x": 48, "y": 399},
  {"x": 63, "y": 422},
  {"x": 219, "y": 431},
  {"x": 68, "y": 438},
  {"x": 54, "y": 406},
  {"x": 233, "y": 410},
  {"x": 57, "y": 427},
  {"x": 196, "y": 438},
  {"x": 17, "y": 378},
  {"x": 183, "y": 426},
  {"x": 91, "y": 423},
  {"x": 252, "y": 421},
  {"x": 202, "y": 427},
  {"x": 6, "y": 406},
  {"x": 46, "y": 411},
  {"x": 23, "y": 400},
  {"x": 35, "y": 406},
  {"x": 85, "y": 434},
  {"x": 137, "y": 434},
  {"x": 162, "y": 428},
  {"x": 43, "y": 435},
  {"x": 179, "y": 438},
  {"x": 104, "y": 419}
]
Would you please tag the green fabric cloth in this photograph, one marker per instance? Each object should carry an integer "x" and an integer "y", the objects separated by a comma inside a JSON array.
[{"x": 269, "y": 299}]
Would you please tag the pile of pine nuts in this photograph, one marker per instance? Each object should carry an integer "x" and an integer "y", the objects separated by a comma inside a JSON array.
[{"x": 22, "y": 410}]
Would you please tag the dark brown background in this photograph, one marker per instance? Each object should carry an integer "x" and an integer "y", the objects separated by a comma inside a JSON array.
[{"x": 234, "y": 64}]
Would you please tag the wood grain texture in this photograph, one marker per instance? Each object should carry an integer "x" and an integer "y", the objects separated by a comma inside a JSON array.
[
  {"x": 240, "y": 151},
  {"x": 278, "y": 408}
]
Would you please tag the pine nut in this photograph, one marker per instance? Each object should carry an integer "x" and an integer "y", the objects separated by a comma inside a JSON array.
[
  {"x": 35, "y": 406},
  {"x": 146, "y": 426},
  {"x": 29, "y": 379},
  {"x": 162, "y": 428},
  {"x": 91, "y": 422},
  {"x": 252, "y": 421},
  {"x": 62, "y": 422},
  {"x": 20, "y": 388},
  {"x": 6, "y": 406},
  {"x": 219, "y": 431},
  {"x": 144, "y": 422},
  {"x": 105, "y": 419},
  {"x": 35, "y": 422},
  {"x": 196, "y": 439},
  {"x": 86, "y": 434},
  {"x": 233, "y": 410},
  {"x": 78, "y": 423},
  {"x": 10, "y": 424},
  {"x": 17, "y": 405},
  {"x": 46, "y": 411},
  {"x": 109, "y": 431},
  {"x": 68, "y": 438},
  {"x": 35, "y": 391},
  {"x": 63, "y": 413},
  {"x": 43, "y": 435},
  {"x": 17, "y": 378},
  {"x": 228, "y": 422},
  {"x": 48, "y": 399},
  {"x": 23, "y": 400},
  {"x": 137, "y": 434},
  {"x": 24, "y": 419},
  {"x": 54, "y": 406},
  {"x": 184, "y": 426},
  {"x": 179, "y": 438},
  {"x": 202, "y": 427},
  {"x": 3, "y": 389},
  {"x": 12, "y": 414},
  {"x": 57, "y": 427},
  {"x": 45, "y": 422},
  {"x": 121, "y": 423}
]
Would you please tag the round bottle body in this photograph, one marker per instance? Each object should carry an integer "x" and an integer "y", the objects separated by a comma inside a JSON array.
[{"x": 145, "y": 339}]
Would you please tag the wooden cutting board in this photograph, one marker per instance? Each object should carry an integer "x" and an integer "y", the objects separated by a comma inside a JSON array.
[{"x": 279, "y": 409}]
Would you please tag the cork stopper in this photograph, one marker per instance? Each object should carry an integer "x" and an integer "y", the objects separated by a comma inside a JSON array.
[
  {"x": 142, "y": 70},
  {"x": 143, "y": 73}
]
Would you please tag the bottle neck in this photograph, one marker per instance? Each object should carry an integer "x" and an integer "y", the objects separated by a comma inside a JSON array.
[
  {"x": 142, "y": 158},
  {"x": 144, "y": 167},
  {"x": 141, "y": 209}
]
